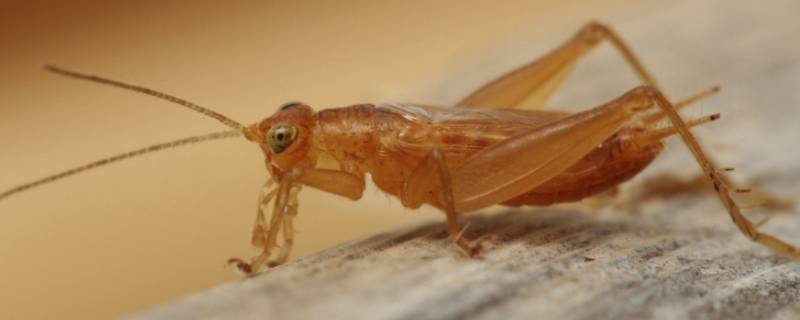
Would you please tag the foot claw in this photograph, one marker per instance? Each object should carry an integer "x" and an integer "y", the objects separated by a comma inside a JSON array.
[
  {"x": 475, "y": 248},
  {"x": 241, "y": 266}
]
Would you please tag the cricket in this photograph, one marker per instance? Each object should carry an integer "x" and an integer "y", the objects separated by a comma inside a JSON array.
[{"x": 495, "y": 146}]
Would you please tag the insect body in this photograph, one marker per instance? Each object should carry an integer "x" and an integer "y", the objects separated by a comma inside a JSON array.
[
  {"x": 396, "y": 138},
  {"x": 494, "y": 147}
]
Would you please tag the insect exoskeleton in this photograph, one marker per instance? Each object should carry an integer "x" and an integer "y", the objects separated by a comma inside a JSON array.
[{"x": 495, "y": 146}]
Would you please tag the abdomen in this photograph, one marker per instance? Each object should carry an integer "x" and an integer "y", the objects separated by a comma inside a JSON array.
[{"x": 613, "y": 162}]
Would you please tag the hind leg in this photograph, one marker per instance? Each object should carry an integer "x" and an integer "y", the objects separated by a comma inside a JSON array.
[
  {"x": 721, "y": 186},
  {"x": 531, "y": 85},
  {"x": 517, "y": 165},
  {"x": 770, "y": 202}
]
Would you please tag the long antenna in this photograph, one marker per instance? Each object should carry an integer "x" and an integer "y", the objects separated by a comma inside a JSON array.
[
  {"x": 225, "y": 120},
  {"x": 120, "y": 157}
]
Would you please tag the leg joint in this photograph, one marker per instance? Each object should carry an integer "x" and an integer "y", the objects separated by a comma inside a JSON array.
[{"x": 594, "y": 32}]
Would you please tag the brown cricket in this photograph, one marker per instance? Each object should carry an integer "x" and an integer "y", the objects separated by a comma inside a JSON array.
[{"x": 495, "y": 147}]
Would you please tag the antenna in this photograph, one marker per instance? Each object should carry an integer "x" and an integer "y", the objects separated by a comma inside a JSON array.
[
  {"x": 120, "y": 157},
  {"x": 208, "y": 112}
]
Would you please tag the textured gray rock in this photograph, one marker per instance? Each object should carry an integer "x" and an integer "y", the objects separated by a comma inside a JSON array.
[{"x": 553, "y": 264}]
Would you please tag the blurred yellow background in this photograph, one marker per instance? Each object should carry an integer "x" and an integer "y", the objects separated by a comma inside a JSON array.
[{"x": 145, "y": 231}]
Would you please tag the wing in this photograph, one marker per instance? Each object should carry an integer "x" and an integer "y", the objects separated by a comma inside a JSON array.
[{"x": 412, "y": 130}]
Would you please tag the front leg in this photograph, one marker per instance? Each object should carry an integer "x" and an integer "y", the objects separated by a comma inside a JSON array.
[
  {"x": 285, "y": 209},
  {"x": 265, "y": 237},
  {"x": 288, "y": 230},
  {"x": 259, "y": 234}
]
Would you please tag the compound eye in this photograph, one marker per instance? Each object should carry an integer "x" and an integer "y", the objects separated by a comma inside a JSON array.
[
  {"x": 289, "y": 105},
  {"x": 280, "y": 136}
]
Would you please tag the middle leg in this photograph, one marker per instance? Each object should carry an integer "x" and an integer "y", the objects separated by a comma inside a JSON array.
[{"x": 430, "y": 181}]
